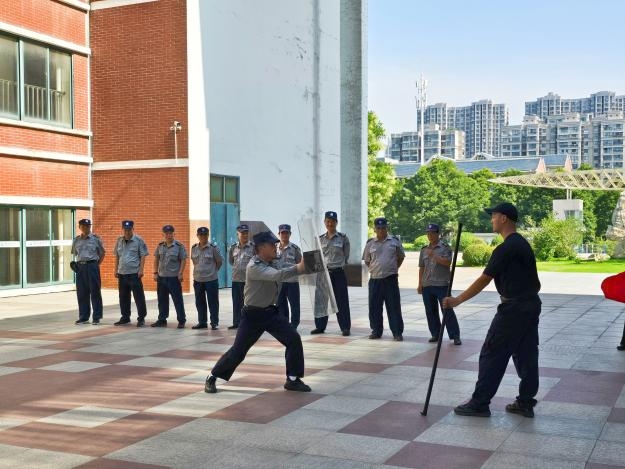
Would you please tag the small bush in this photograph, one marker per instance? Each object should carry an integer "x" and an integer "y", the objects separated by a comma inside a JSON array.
[
  {"x": 497, "y": 240},
  {"x": 420, "y": 242},
  {"x": 467, "y": 239},
  {"x": 476, "y": 255}
]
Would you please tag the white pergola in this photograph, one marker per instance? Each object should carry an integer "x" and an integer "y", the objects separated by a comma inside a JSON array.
[{"x": 593, "y": 180}]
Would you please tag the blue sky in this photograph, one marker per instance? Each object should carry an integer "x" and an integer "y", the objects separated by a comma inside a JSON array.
[{"x": 510, "y": 52}]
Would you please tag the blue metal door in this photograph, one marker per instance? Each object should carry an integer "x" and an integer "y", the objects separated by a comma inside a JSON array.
[{"x": 224, "y": 222}]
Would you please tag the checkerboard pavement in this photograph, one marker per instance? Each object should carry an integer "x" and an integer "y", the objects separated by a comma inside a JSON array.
[{"x": 126, "y": 397}]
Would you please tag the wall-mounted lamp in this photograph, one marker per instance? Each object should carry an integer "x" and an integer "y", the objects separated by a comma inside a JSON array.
[{"x": 175, "y": 128}]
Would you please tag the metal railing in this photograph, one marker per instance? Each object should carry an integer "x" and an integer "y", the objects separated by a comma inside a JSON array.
[{"x": 36, "y": 101}]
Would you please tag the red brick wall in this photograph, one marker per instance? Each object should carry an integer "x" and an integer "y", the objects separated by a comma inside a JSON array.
[
  {"x": 47, "y": 17},
  {"x": 81, "y": 97},
  {"x": 139, "y": 80},
  {"x": 43, "y": 140},
  {"x": 39, "y": 178},
  {"x": 150, "y": 197}
]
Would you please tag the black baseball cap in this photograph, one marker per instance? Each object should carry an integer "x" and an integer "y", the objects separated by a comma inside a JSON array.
[
  {"x": 284, "y": 227},
  {"x": 265, "y": 237},
  {"x": 505, "y": 208},
  {"x": 127, "y": 224},
  {"x": 168, "y": 229},
  {"x": 202, "y": 230},
  {"x": 332, "y": 215},
  {"x": 380, "y": 222},
  {"x": 84, "y": 221}
]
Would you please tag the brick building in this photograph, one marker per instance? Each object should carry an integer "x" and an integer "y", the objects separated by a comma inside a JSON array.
[{"x": 134, "y": 89}]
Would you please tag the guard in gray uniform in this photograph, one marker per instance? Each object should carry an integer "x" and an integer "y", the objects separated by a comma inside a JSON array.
[
  {"x": 434, "y": 275},
  {"x": 384, "y": 255},
  {"x": 207, "y": 261},
  {"x": 289, "y": 254},
  {"x": 239, "y": 256},
  {"x": 260, "y": 314},
  {"x": 130, "y": 254},
  {"x": 89, "y": 254},
  {"x": 335, "y": 247},
  {"x": 170, "y": 258}
]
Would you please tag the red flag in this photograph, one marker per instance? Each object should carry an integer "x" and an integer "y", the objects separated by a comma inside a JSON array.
[{"x": 613, "y": 287}]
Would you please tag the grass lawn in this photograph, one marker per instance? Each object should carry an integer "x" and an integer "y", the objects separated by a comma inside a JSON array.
[{"x": 612, "y": 266}]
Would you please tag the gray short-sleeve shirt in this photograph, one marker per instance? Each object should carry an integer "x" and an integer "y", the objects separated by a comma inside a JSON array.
[
  {"x": 335, "y": 249},
  {"x": 289, "y": 255},
  {"x": 435, "y": 274},
  {"x": 169, "y": 258},
  {"x": 263, "y": 282},
  {"x": 382, "y": 256},
  {"x": 89, "y": 248},
  {"x": 205, "y": 259},
  {"x": 238, "y": 257},
  {"x": 130, "y": 253}
]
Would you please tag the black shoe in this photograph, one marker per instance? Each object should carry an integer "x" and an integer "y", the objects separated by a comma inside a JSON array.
[
  {"x": 121, "y": 322},
  {"x": 296, "y": 385},
  {"x": 233, "y": 327},
  {"x": 210, "y": 386},
  {"x": 345, "y": 332},
  {"x": 140, "y": 322},
  {"x": 95, "y": 322},
  {"x": 398, "y": 338},
  {"x": 159, "y": 323},
  {"x": 618, "y": 347},
  {"x": 318, "y": 331},
  {"x": 469, "y": 410},
  {"x": 200, "y": 326},
  {"x": 82, "y": 321},
  {"x": 433, "y": 339},
  {"x": 520, "y": 408},
  {"x": 374, "y": 336},
  {"x": 180, "y": 325},
  {"x": 214, "y": 327},
  {"x": 457, "y": 341}
]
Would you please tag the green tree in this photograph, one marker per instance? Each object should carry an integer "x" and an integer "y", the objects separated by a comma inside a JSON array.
[
  {"x": 557, "y": 238},
  {"x": 382, "y": 182}
]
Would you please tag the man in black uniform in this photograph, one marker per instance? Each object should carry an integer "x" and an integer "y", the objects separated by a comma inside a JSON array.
[
  {"x": 514, "y": 329},
  {"x": 260, "y": 314}
]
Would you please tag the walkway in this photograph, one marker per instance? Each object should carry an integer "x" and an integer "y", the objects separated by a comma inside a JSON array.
[{"x": 122, "y": 397}]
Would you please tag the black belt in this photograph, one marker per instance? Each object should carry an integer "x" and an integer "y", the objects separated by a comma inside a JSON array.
[
  {"x": 87, "y": 262},
  {"x": 256, "y": 309},
  {"x": 336, "y": 269},
  {"x": 518, "y": 298}
]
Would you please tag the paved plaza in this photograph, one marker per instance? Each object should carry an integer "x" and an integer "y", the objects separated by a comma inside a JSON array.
[{"x": 126, "y": 397}]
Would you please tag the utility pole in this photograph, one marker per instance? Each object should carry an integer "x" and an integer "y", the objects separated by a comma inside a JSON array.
[{"x": 421, "y": 99}]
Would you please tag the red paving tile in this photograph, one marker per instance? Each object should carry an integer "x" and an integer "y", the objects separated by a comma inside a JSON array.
[
  {"x": 617, "y": 415},
  {"x": 66, "y": 356},
  {"x": 449, "y": 356},
  {"x": 329, "y": 339},
  {"x": 432, "y": 456},
  {"x": 102, "y": 463},
  {"x": 361, "y": 367},
  {"x": 398, "y": 420},
  {"x": 587, "y": 387},
  {"x": 66, "y": 345},
  {"x": 265, "y": 407},
  {"x": 96, "y": 441},
  {"x": 210, "y": 357},
  {"x": 572, "y": 396}
]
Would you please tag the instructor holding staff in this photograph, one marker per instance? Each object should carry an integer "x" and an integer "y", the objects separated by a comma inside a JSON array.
[{"x": 514, "y": 329}]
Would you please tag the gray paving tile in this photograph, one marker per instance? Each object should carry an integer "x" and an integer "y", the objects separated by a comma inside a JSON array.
[
  {"x": 18, "y": 457},
  {"x": 548, "y": 446},
  {"x": 609, "y": 452},
  {"x": 308, "y": 461},
  {"x": 466, "y": 436},
  {"x": 613, "y": 432},
  {"x": 563, "y": 427},
  {"x": 273, "y": 437},
  {"x": 356, "y": 447},
  {"x": 510, "y": 460}
]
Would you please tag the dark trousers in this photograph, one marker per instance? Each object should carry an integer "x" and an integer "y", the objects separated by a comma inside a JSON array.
[
  {"x": 166, "y": 286},
  {"x": 207, "y": 292},
  {"x": 237, "y": 301},
  {"x": 512, "y": 333},
  {"x": 432, "y": 297},
  {"x": 623, "y": 339},
  {"x": 252, "y": 326},
  {"x": 385, "y": 291},
  {"x": 89, "y": 291},
  {"x": 343, "y": 316},
  {"x": 289, "y": 295},
  {"x": 127, "y": 284}
]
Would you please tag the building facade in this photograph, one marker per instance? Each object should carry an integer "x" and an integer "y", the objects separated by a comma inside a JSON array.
[
  {"x": 176, "y": 112},
  {"x": 481, "y": 122},
  {"x": 406, "y": 146},
  {"x": 596, "y": 104}
]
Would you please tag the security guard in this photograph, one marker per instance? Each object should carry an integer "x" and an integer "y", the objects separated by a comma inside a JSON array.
[
  {"x": 260, "y": 314},
  {"x": 130, "y": 254},
  {"x": 207, "y": 261},
  {"x": 514, "y": 329},
  {"x": 434, "y": 275},
  {"x": 289, "y": 254},
  {"x": 384, "y": 255},
  {"x": 89, "y": 254},
  {"x": 335, "y": 247},
  {"x": 239, "y": 256},
  {"x": 170, "y": 258}
]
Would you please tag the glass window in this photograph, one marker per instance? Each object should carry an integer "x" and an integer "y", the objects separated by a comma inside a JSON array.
[
  {"x": 232, "y": 190},
  {"x": 38, "y": 247},
  {"x": 10, "y": 260},
  {"x": 60, "y": 87},
  {"x": 8, "y": 76},
  {"x": 35, "y": 81},
  {"x": 62, "y": 233},
  {"x": 217, "y": 189}
]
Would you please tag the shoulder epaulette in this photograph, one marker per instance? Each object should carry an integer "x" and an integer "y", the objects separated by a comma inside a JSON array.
[
  {"x": 95, "y": 235},
  {"x": 194, "y": 245},
  {"x": 162, "y": 243},
  {"x": 295, "y": 246},
  {"x": 341, "y": 234},
  {"x": 395, "y": 237},
  {"x": 213, "y": 244}
]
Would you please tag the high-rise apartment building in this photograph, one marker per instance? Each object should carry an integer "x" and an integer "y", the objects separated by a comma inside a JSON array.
[
  {"x": 597, "y": 141},
  {"x": 406, "y": 146},
  {"x": 481, "y": 122},
  {"x": 596, "y": 104}
]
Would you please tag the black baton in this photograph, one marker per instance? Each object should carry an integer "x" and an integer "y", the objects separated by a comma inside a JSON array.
[{"x": 442, "y": 330}]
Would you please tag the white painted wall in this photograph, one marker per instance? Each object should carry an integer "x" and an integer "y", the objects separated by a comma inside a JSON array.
[{"x": 273, "y": 113}]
